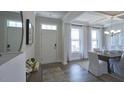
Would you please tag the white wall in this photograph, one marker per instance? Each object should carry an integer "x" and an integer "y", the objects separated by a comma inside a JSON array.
[
  {"x": 13, "y": 70},
  {"x": 86, "y": 41},
  {"x": 65, "y": 41},
  {"x": 38, "y": 35},
  {"x": 28, "y": 49}
]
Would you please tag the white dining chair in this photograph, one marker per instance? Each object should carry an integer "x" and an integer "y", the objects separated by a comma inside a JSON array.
[
  {"x": 96, "y": 66},
  {"x": 96, "y": 49},
  {"x": 118, "y": 65}
]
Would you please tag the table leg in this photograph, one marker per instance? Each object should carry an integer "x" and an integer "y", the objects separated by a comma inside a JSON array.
[{"x": 109, "y": 69}]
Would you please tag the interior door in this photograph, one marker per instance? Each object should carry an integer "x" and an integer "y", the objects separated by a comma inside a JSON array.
[
  {"x": 13, "y": 44},
  {"x": 49, "y": 46}
]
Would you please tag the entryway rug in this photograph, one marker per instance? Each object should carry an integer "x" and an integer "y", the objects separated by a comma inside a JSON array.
[
  {"x": 54, "y": 75},
  {"x": 109, "y": 78}
]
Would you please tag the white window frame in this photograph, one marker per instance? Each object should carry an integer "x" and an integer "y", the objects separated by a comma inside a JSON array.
[
  {"x": 117, "y": 41},
  {"x": 76, "y": 40},
  {"x": 94, "y": 40}
]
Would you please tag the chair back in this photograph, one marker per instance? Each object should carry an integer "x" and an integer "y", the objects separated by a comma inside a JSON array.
[
  {"x": 95, "y": 67},
  {"x": 96, "y": 49},
  {"x": 122, "y": 60},
  {"x": 93, "y": 59}
]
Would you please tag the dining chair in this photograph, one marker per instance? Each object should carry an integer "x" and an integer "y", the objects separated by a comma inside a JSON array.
[
  {"x": 96, "y": 49},
  {"x": 117, "y": 66},
  {"x": 96, "y": 66}
]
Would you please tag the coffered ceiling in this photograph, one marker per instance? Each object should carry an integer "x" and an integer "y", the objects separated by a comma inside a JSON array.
[
  {"x": 98, "y": 18},
  {"x": 101, "y": 18}
]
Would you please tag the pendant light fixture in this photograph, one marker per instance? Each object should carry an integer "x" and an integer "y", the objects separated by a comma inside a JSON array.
[{"x": 112, "y": 32}]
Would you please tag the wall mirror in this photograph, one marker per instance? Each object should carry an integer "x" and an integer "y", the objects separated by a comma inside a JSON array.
[{"x": 11, "y": 31}]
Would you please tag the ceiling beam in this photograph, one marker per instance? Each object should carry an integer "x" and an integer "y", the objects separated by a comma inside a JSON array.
[
  {"x": 108, "y": 17},
  {"x": 115, "y": 16},
  {"x": 121, "y": 14},
  {"x": 103, "y": 14}
]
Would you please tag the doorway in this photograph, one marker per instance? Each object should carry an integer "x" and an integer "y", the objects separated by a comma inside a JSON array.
[{"x": 49, "y": 43}]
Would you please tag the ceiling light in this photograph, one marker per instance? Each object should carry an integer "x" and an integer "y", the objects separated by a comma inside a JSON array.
[
  {"x": 112, "y": 32},
  {"x": 106, "y": 32},
  {"x": 118, "y": 31}
]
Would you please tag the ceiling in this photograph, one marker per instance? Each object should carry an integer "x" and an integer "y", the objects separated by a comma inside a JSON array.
[
  {"x": 52, "y": 14},
  {"x": 90, "y": 17},
  {"x": 111, "y": 13},
  {"x": 101, "y": 18},
  {"x": 97, "y": 18}
]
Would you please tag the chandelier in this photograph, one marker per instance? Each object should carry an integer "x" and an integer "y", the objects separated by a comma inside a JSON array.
[{"x": 112, "y": 32}]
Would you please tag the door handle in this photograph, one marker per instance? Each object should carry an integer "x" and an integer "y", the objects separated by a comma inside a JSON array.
[
  {"x": 55, "y": 46},
  {"x": 8, "y": 45}
]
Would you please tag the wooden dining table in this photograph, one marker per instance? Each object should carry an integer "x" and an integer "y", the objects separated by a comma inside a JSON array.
[{"x": 106, "y": 56}]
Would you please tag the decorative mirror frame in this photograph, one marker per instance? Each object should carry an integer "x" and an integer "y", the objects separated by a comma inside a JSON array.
[
  {"x": 21, "y": 14},
  {"x": 29, "y": 32}
]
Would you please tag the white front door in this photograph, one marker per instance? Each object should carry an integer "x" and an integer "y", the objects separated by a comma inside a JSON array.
[{"x": 49, "y": 46}]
